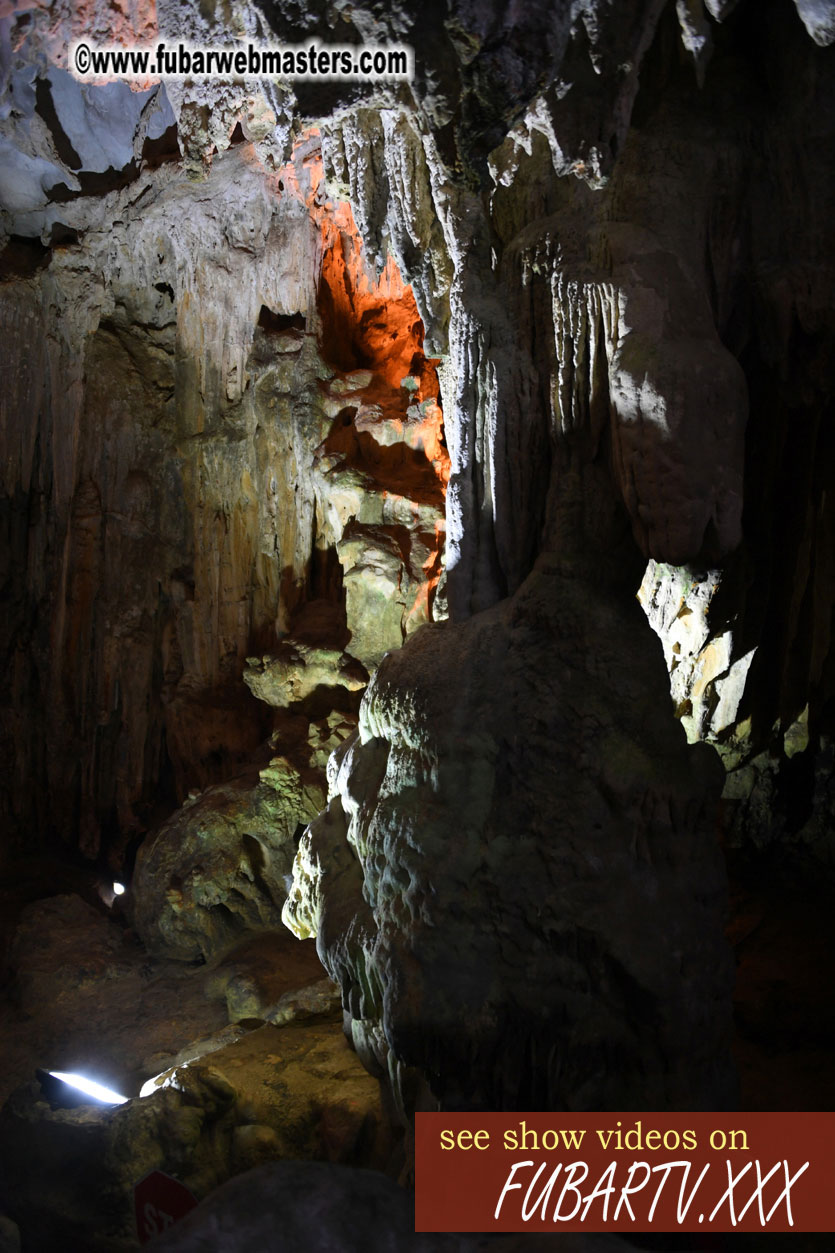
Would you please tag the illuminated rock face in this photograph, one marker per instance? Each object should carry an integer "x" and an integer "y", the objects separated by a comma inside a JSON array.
[
  {"x": 282, "y": 395},
  {"x": 596, "y": 405},
  {"x": 209, "y": 479},
  {"x": 524, "y": 930}
]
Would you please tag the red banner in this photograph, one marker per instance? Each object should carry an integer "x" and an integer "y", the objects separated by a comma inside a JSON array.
[{"x": 625, "y": 1172}]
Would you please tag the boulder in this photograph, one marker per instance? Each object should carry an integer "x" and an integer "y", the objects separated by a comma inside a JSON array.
[
  {"x": 304, "y": 1205},
  {"x": 67, "y": 1175},
  {"x": 516, "y": 881},
  {"x": 217, "y": 868}
]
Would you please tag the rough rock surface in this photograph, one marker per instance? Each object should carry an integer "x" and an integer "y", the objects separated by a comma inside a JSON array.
[
  {"x": 84, "y": 996},
  {"x": 565, "y": 933},
  {"x": 262, "y": 973},
  {"x": 217, "y": 868},
  {"x": 218, "y": 417},
  {"x": 197, "y": 468},
  {"x": 292, "y": 1092}
]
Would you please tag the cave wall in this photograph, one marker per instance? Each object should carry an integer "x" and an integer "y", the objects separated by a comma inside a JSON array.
[
  {"x": 235, "y": 446},
  {"x": 158, "y": 556},
  {"x": 186, "y": 482}
]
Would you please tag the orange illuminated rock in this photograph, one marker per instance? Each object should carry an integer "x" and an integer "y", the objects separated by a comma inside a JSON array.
[{"x": 383, "y": 466}]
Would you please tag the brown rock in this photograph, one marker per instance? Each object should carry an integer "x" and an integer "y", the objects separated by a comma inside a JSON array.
[
  {"x": 290, "y": 1092},
  {"x": 217, "y": 868}
]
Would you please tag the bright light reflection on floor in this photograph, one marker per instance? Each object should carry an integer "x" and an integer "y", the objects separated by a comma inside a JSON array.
[{"x": 89, "y": 1087}]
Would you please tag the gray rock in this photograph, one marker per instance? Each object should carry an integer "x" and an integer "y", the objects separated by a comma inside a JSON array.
[
  {"x": 504, "y": 882},
  {"x": 94, "y": 125},
  {"x": 297, "y": 1206},
  {"x": 26, "y": 181},
  {"x": 161, "y": 117},
  {"x": 818, "y": 16}
]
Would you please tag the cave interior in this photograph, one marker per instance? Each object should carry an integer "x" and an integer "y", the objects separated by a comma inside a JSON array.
[{"x": 417, "y": 570}]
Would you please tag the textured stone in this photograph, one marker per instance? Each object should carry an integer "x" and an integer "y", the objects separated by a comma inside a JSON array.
[
  {"x": 218, "y": 413},
  {"x": 26, "y": 181},
  {"x": 195, "y": 509},
  {"x": 818, "y": 16},
  {"x": 297, "y": 1091},
  {"x": 707, "y": 673},
  {"x": 94, "y": 126},
  {"x": 563, "y": 932},
  {"x": 319, "y": 998},
  {"x": 513, "y": 127},
  {"x": 85, "y": 996},
  {"x": 216, "y": 869},
  {"x": 294, "y": 673},
  {"x": 260, "y": 972}
]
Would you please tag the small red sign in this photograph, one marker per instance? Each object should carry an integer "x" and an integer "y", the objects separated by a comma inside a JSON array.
[{"x": 160, "y": 1201}]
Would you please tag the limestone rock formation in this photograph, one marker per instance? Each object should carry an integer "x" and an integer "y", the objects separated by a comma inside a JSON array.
[
  {"x": 294, "y": 672},
  {"x": 199, "y": 479},
  {"x": 266, "y": 977},
  {"x": 308, "y": 385},
  {"x": 216, "y": 870},
  {"x": 707, "y": 678},
  {"x": 530, "y": 795},
  {"x": 86, "y": 997}
]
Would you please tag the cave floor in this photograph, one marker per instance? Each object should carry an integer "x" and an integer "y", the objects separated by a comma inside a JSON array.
[{"x": 79, "y": 992}]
